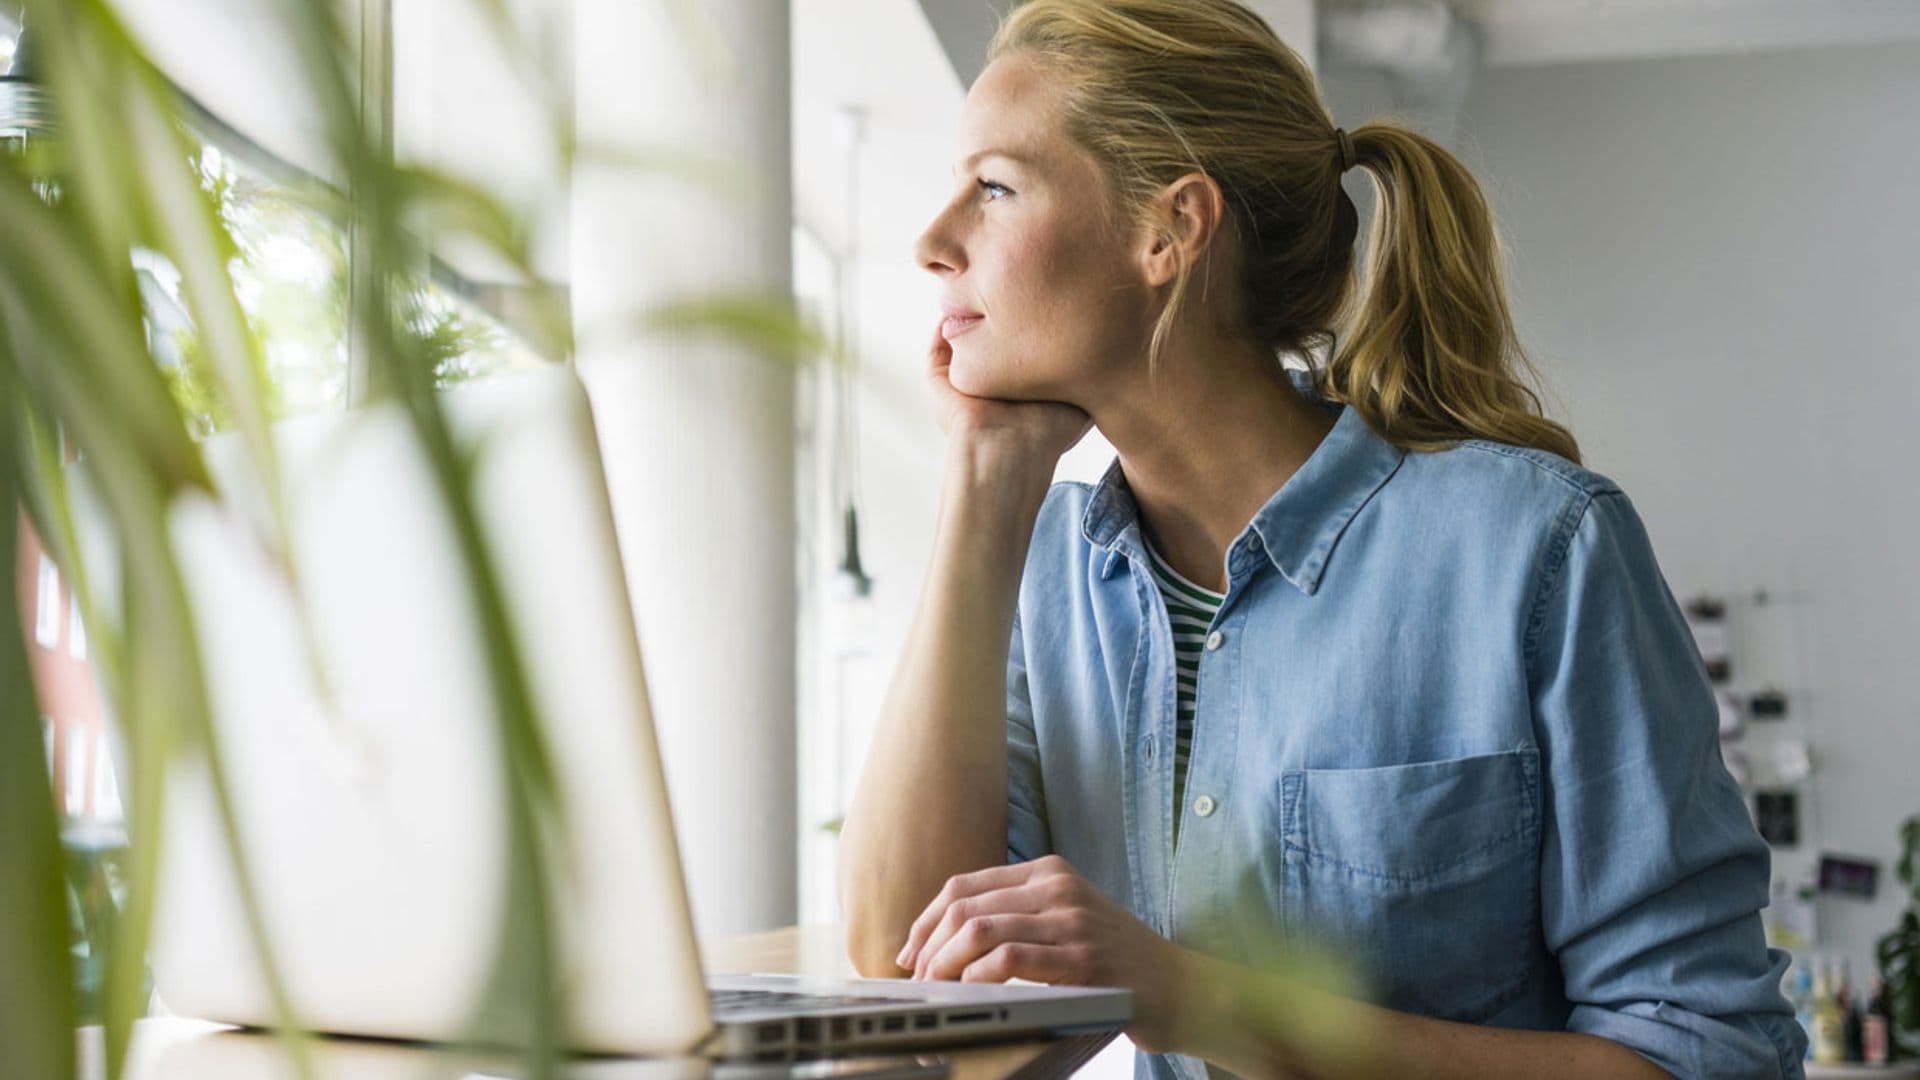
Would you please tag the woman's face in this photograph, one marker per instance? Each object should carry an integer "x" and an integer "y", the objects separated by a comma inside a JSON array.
[{"x": 1025, "y": 243}]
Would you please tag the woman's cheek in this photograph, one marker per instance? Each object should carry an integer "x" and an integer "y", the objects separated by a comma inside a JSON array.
[
  {"x": 974, "y": 371},
  {"x": 968, "y": 371}
]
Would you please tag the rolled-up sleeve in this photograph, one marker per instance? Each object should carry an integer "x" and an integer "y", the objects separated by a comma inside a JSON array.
[
  {"x": 1652, "y": 874},
  {"x": 1027, "y": 834}
]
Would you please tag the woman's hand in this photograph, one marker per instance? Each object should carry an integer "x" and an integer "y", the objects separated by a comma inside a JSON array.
[
  {"x": 1042, "y": 430},
  {"x": 1042, "y": 921}
]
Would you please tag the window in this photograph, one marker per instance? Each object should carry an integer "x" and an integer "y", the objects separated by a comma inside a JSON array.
[
  {"x": 106, "y": 789},
  {"x": 290, "y": 278},
  {"x": 46, "y": 619},
  {"x": 76, "y": 769},
  {"x": 76, "y": 630}
]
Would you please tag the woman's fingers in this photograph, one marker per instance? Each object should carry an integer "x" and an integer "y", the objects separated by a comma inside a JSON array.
[
  {"x": 937, "y": 349},
  {"x": 959, "y": 887},
  {"x": 981, "y": 935},
  {"x": 1015, "y": 900},
  {"x": 1026, "y": 960},
  {"x": 947, "y": 401}
]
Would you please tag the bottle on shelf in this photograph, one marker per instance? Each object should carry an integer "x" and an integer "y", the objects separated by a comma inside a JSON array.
[
  {"x": 1849, "y": 1011},
  {"x": 1876, "y": 1030},
  {"x": 1829, "y": 1023}
]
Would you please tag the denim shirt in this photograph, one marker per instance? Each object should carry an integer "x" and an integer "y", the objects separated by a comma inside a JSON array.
[{"x": 1450, "y": 719}]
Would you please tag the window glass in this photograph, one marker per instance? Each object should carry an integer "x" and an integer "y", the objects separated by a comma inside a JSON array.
[
  {"x": 78, "y": 759},
  {"x": 290, "y": 277},
  {"x": 46, "y": 619},
  {"x": 76, "y": 630}
]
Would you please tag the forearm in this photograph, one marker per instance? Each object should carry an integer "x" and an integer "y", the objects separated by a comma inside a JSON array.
[
  {"x": 931, "y": 801},
  {"x": 1258, "y": 1025}
]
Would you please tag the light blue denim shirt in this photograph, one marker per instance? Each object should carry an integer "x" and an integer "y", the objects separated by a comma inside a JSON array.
[{"x": 1450, "y": 717}]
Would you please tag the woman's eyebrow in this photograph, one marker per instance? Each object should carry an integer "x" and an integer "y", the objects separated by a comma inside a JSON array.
[{"x": 1011, "y": 155}]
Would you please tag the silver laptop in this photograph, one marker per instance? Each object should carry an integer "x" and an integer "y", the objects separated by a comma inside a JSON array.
[{"x": 372, "y": 814}]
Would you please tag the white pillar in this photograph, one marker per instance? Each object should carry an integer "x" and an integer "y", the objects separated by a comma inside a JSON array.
[{"x": 698, "y": 433}]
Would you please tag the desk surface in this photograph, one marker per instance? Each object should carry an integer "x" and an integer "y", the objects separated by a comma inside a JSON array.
[{"x": 172, "y": 1048}]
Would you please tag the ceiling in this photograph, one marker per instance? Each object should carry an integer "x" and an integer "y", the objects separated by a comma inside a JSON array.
[
  {"x": 1517, "y": 32},
  {"x": 1522, "y": 32}
]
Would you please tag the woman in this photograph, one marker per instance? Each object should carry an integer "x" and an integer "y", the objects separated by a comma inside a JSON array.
[{"x": 1358, "y": 656}]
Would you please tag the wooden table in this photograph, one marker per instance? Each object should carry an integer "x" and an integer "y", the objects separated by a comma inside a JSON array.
[{"x": 175, "y": 1048}]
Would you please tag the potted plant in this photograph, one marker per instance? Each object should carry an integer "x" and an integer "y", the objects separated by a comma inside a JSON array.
[{"x": 1899, "y": 951}]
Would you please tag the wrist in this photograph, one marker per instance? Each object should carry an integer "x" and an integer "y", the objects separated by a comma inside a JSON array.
[
  {"x": 1000, "y": 463},
  {"x": 989, "y": 502},
  {"x": 994, "y": 485}
]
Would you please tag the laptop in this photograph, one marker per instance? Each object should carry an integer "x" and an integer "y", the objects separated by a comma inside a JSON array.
[{"x": 367, "y": 782}]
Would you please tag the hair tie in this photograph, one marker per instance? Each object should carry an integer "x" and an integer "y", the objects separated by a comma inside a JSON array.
[{"x": 1346, "y": 149}]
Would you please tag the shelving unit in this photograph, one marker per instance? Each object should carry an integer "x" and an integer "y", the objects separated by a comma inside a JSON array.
[{"x": 1776, "y": 754}]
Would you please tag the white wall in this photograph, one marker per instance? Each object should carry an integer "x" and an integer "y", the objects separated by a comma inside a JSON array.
[{"x": 1714, "y": 263}]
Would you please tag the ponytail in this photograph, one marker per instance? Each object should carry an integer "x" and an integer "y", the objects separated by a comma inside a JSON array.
[{"x": 1426, "y": 350}]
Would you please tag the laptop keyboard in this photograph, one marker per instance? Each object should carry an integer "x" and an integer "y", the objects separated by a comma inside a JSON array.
[{"x": 742, "y": 1000}]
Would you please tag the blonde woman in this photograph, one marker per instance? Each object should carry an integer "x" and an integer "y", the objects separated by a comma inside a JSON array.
[{"x": 1359, "y": 655}]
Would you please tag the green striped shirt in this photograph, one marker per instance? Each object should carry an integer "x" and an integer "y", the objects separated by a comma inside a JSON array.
[{"x": 1190, "y": 611}]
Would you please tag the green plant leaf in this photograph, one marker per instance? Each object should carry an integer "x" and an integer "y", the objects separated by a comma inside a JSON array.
[
  {"x": 187, "y": 229},
  {"x": 763, "y": 322},
  {"x": 36, "y": 971},
  {"x": 1909, "y": 866}
]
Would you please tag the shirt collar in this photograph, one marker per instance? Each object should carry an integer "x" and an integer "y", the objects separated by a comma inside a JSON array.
[{"x": 1298, "y": 527}]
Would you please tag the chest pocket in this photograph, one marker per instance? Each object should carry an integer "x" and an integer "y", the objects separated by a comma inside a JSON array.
[{"x": 1426, "y": 876}]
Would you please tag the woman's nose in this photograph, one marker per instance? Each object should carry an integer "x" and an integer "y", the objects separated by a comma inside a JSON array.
[{"x": 935, "y": 250}]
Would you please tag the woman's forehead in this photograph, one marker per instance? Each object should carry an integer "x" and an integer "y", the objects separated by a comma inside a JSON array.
[{"x": 1013, "y": 107}]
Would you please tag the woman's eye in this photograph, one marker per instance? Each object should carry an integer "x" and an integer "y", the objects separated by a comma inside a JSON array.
[{"x": 990, "y": 186}]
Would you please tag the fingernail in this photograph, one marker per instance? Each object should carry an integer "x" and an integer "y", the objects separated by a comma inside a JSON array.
[{"x": 901, "y": 960}]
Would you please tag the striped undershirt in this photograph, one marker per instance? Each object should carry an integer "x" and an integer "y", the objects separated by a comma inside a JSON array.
[{"x": 1190, "y": 610}]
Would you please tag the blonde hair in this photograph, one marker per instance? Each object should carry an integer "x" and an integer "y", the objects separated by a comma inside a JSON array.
[{"x": 1425, "y": 344}]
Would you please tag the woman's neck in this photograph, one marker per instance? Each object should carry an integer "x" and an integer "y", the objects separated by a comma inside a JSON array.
[{"x": 1204, "y": 446}]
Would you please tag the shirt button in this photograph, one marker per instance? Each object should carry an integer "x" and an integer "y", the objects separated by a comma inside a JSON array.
[
  {"x": 1215, "y": 640},
  {"x": 1253, "y": 542},
  {"x": 1204, "y": 806}
]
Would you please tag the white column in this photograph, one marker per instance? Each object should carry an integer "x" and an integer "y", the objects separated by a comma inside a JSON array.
[{"x": 697, "y": 432}]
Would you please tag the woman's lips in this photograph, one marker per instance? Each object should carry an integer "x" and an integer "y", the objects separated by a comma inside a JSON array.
[{"x": 954, "y": 325}]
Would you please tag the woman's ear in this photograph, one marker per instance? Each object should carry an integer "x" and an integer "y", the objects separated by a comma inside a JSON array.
[{"x": 1186, "y": 215}]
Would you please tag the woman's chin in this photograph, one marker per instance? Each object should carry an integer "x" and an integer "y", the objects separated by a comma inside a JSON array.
[{"x": 982, "y": 380}]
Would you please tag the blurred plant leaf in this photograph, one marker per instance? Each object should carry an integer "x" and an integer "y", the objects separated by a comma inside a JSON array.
[
  {"x": 1898, "y": 951},
  {"x": 86, "y": 362},
  {"x": 184, "y": 226},
  {"x": 36, "y": 972},
  {"x": 767, "y": 324},
  {"x": 525, "y": 1001},
  {"x": 698, "y": 170}
]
